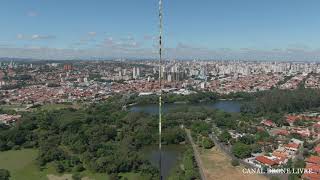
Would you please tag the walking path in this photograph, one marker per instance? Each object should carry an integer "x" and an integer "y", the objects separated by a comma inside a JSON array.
[{"x": 196, "y": 155}]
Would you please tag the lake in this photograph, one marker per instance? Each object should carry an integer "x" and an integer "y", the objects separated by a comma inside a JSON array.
[
  {"x": 171, "y": 154},
  {"x": 224, "y": 105}
]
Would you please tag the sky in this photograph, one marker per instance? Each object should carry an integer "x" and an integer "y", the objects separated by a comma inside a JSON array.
[{"x": 193, "y": 29}]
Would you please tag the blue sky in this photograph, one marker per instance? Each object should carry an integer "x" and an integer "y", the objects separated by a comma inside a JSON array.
[{"x": 211, "y": 29}]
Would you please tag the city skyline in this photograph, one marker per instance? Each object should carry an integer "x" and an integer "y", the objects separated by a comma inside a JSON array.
[{"x": 246, "y": 30}]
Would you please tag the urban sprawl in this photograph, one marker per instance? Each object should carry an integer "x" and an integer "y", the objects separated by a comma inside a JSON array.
[
  {"x": 38, "y": 82},
  {"x": 25, "y": 84}
]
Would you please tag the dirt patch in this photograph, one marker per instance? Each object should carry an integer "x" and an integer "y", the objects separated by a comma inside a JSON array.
[
  {"x": 63, "y": 177},
  {"x": 86, "y": 178},
  {"x": 217, "y": 165}
]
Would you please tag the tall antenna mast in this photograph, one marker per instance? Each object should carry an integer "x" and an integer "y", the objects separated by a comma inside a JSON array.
[{"x": 160, "y": 84}]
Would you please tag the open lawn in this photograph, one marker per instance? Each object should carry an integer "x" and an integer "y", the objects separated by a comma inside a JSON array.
[
  {"x": 218, "y": 166},
  {"x": 13, "y": 107},
  {"x": 22, "y": 166},
  {"x": 59, "y": 106}
]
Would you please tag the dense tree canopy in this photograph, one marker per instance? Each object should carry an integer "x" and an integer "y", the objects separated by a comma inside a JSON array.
[
  {"x": 4, "y": 174},
  {"x": 277, "y": 101},
  {"x": 241, "y": 150},
  {"x": 100, "y": 138}
]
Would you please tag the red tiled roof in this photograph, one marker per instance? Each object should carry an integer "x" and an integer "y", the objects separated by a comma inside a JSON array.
[
  {"x": 292, "y": 145},
  {"x": 265, "y": 160},
  {"x": 313, "y": 167},
  {"x": 317, "y": 125},
  {"x": 313, "y": 160},
  {"x": 317, "y": 149},
  {"x": 281, "y": 132},
  {"x": 311, "y": 176},
  {"x": 291, "y": 118},
  {"x": 280, "y": 154},
  {"x": 268, "y": 122}
]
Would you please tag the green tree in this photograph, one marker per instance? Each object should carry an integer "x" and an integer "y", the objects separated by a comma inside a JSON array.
[
  {"x": 225, "y": 136},
  {"x": 247, "y": 139},
  {"x": 241, "y": 150},
  {"x": 235, "y": 162},
  {"x": 4, "y": 174},
  {"x": 207, "y": 143},
  {"x": 76, "y": 176},
  {"x": 59, "y": 167},
  {"x": 274, "y": 178}
]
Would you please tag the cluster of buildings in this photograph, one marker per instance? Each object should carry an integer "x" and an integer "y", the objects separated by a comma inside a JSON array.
[
  {"x": 45, "y": 81},
  {"x": 288, "y": 143},
  {"x": 41, "y": 94},
  {"x": 9, "y": 119},
  {"x": 313, "y": 81},
  {"x": 277, "y": 157},
  {"x": 294, "y": 82},
  {"x": 250, "y": 83},
  {"x": 298, "y": 139},
  {"x": 313, "y": 164}
]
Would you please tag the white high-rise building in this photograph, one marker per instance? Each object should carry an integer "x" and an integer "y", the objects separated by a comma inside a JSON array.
[
  {"x": 135, "y": 72},
  {"x": 169, "y": 78},
  {"x": 134, "y": 75},
  {"x": 2, "y": 83}
]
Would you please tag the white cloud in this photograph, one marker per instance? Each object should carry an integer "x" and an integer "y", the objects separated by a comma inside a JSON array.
[
  {"x": 20, "y": 36},
  {"x": 38, "y": 36},
  {"x": 126, "y": 43},
  {"x": 128, "y": 46},
  {"x": 32, "y": 14},
  {"x": 178, "y": 52},
  {"x": 34, "y": 37},
  {"x": 92, "y": 33}
]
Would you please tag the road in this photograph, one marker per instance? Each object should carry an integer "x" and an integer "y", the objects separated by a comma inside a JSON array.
[{"x": 196, "y": 155}]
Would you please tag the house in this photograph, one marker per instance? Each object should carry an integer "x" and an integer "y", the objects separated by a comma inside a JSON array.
[
  {"x": 9, "y": 119},
  {"x": 313, "y": 165},
  {"x": 313, "y": 160},
  {"x": 280, "y": 154},
  {"x": 315, "y": 168},
  {"x": 268, "y": 123},
  {"x": 297, "y": 141},
  {"x": 235, "y": 135},
  {"x": 292, "y": 118},
  {"x": 266, "y": 161},
  {"x": 315, "y": 172},
  {"x": 317, "y": 149},
  {"x": 292, "y": 148},
  {"x": 310, "y": 176},
  {"x": 316, "y": 126},
  {"x": 280, "y": 132},
  {"x": 302, "y": 132}
]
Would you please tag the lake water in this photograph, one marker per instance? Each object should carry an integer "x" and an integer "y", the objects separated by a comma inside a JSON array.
[
  {"x": 224, "y": 105},
  {"x": 170, "y": 155}
]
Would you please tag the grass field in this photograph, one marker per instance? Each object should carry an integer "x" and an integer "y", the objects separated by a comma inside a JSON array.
[
  {"x": 218, "y": 166},
  {"x": 59, "y": 106},
  {"x": 13, "y": 107},
  {"x": 22, "y": 166}
]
